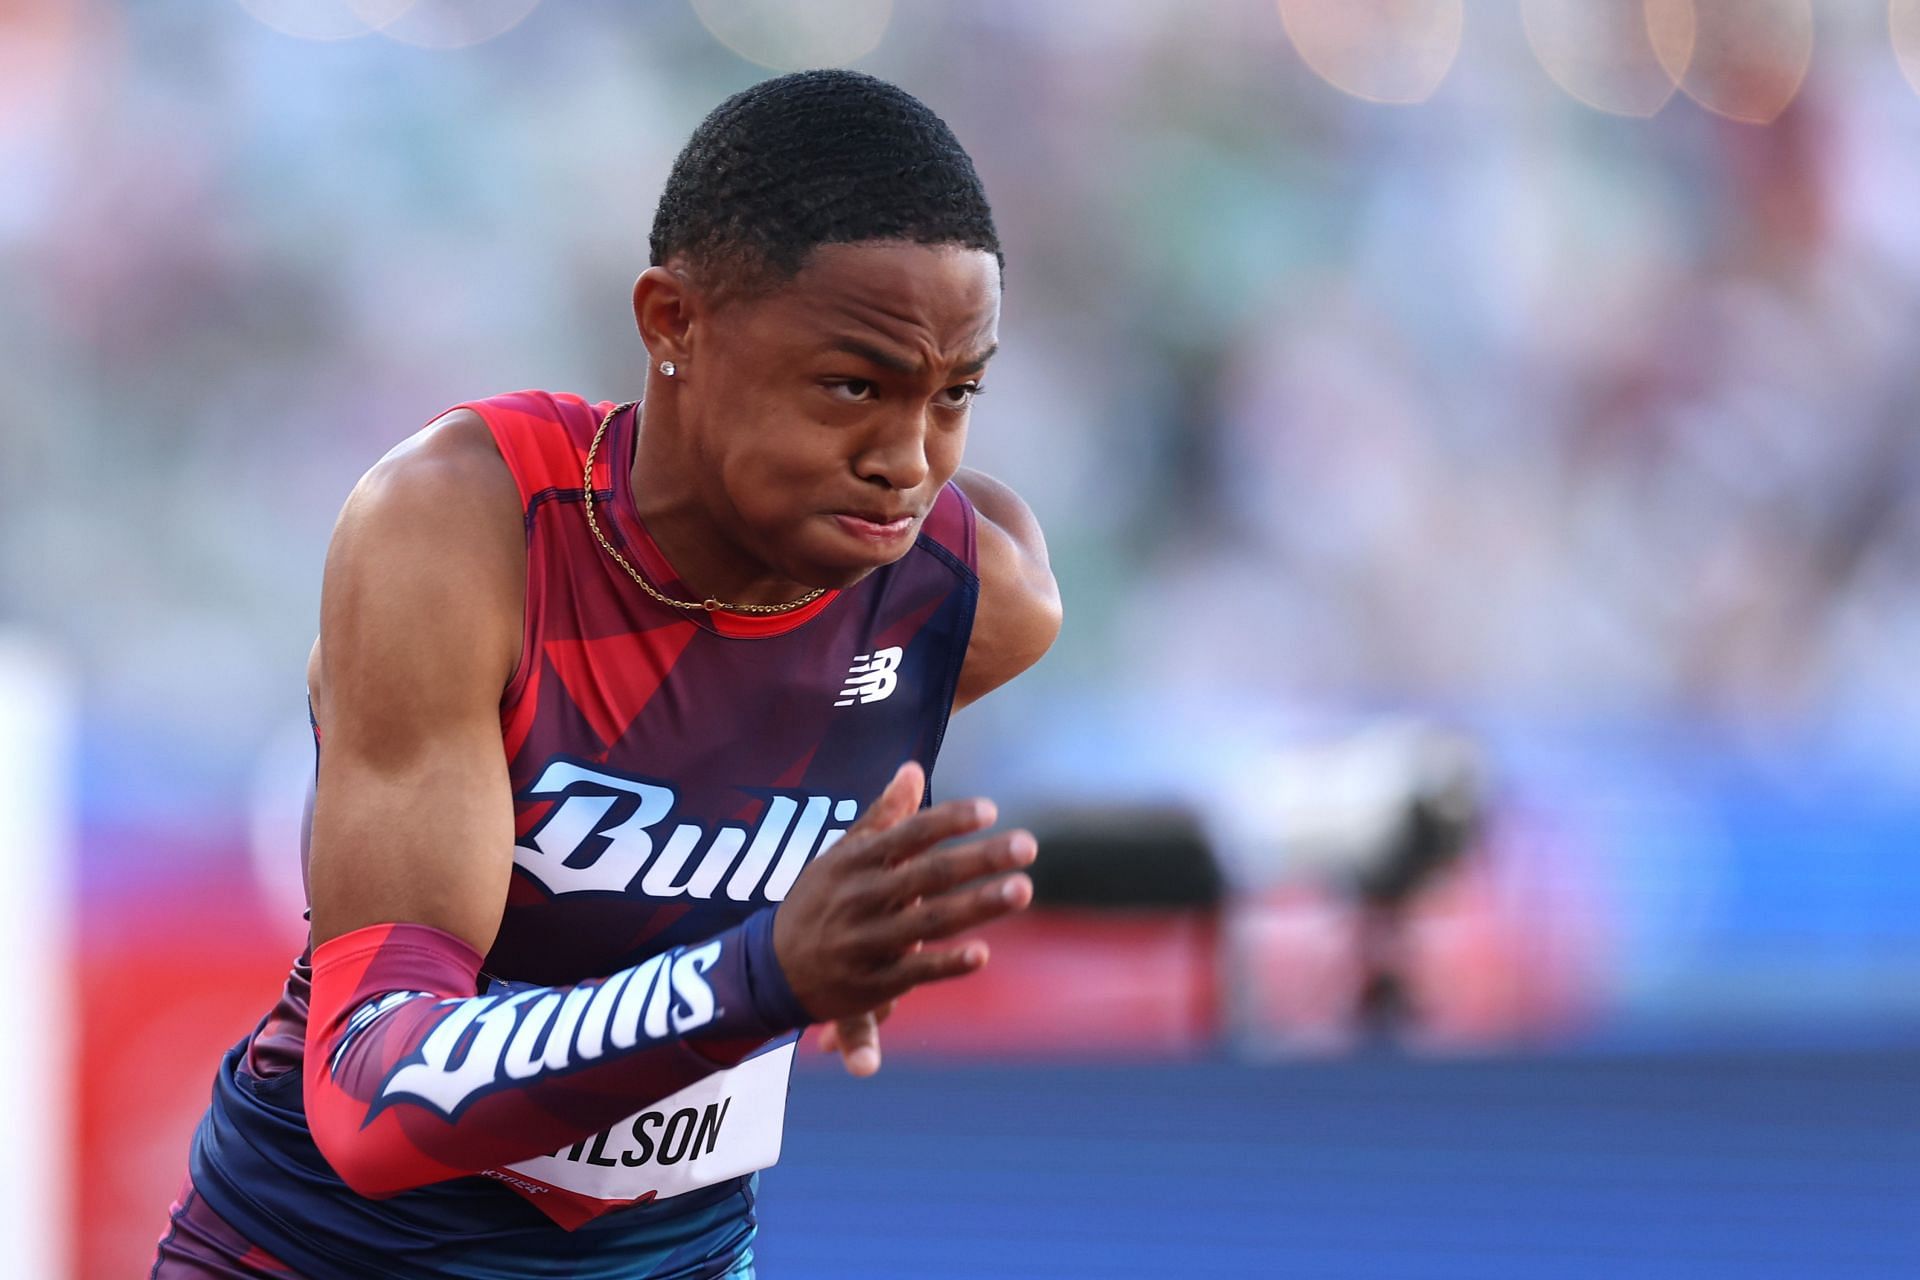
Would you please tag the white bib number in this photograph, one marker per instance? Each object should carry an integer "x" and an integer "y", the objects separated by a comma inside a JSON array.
[{"x": 714, "y": 1129}]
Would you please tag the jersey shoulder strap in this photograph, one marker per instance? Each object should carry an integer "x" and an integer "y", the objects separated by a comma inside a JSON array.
[
  {"x": 950, "y": 525},
  {"x": 543, "y": 436}
]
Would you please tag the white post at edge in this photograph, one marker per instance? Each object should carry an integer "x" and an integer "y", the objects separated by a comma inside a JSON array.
[{"x": 37, "y": 981}]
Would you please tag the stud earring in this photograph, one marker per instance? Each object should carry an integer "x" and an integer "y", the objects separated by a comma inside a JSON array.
[{"x": 667, "y": 367}]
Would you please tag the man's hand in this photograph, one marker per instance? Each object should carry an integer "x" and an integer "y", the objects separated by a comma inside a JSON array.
[{"x": 851, "y": 934}]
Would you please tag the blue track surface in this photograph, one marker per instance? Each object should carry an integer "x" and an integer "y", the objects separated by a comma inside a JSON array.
[{"x": 1801, "y": 1165}]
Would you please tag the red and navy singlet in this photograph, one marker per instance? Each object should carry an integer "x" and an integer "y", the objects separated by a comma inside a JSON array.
[{"x": 672, "y": 773}]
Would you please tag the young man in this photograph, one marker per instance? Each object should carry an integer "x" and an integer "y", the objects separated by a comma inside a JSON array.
[{"x": 625, "y": 716}]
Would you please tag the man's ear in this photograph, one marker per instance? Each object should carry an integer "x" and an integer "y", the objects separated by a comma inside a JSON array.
[{"x": 664, "y": 307}]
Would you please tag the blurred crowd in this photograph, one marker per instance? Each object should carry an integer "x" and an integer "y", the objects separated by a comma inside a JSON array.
[
  {"x": 1584, "y": 434},
  {"x": 1495, "y": 405}
]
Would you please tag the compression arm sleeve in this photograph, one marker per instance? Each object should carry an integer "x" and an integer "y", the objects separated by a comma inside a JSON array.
[{"x": 412, "y": 1078}]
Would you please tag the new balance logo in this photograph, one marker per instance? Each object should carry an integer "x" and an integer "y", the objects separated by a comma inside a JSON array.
[{"x": 872, "y": 677}]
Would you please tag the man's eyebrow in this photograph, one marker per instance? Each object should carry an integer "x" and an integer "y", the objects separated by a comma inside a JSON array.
[
  {"x": 898, "y": 364},
  {"x": 874, "y": 355},
  {"x": 978, "y": 363}
]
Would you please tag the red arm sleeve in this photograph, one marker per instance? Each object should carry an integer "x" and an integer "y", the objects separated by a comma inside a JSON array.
[{"x": 411, "y": 1077}]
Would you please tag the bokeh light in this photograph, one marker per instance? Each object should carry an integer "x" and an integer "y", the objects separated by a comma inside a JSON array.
[
  {"x": 60, "y": 60},
  {"x": 788, "y": 35},
  {"x": 1903, "y": 20},
  {"x": 39, "y": 50},
  {"x": 1392, "y": 51},
  {"x": 1612, "y": 55},
  {"x": 1578, "y": 432},
  {"x": 325, "y": 19},
  {"x": 446, "y": 24},
  {"x": 1747, "y": 58}
]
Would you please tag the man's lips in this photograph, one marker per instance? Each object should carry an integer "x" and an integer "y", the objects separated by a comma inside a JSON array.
[{"x": 876, "y": 525}]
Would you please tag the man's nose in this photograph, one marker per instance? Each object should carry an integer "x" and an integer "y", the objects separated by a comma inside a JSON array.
[{"x": 897, "y": 456}]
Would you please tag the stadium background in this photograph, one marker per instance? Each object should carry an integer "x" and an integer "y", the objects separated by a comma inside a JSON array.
[{"x": 1378, "y": 367}]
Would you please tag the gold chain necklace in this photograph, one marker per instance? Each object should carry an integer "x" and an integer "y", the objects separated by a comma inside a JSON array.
[{"x": 709, "y": 604}]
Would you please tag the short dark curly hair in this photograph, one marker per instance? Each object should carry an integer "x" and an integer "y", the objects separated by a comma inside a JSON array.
[{"x": 813, "y": 158}]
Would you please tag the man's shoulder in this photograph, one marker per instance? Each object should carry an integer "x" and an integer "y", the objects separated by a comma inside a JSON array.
[
  {"x": 1020, "y": 611},
  {"x": 428, "y": 557},
  {"x": 453, "y": 459},
  {"x": 446, "y": 490}
]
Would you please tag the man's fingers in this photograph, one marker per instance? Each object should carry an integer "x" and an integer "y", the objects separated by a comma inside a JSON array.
[
  {"x": 921, "y": 831},
  {"x": 858, "y": 1040},
  {"x": 897, "y": 801},
  {"x": 937, "y": 966},
  {"x": 830, "y": 1034},
  {"x": 947, "y": 914},
  {"x": 935, "y": 871}
]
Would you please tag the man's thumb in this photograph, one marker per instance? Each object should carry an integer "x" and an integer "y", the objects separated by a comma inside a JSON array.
[{"x": 899, "y": 801}]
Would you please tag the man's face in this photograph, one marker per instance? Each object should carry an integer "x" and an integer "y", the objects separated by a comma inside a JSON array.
[{"x": 828, "y": 414}]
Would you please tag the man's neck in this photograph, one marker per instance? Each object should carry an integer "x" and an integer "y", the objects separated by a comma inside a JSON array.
[{"x": 705, "y": 554}]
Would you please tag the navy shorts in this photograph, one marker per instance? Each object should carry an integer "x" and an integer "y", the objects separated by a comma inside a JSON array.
[{"x": 199, "y": 1245}]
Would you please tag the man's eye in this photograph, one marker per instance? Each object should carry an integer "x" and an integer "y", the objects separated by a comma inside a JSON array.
[
  {"x": 959, "y": 397},
  {"x": 852, "y": 390}
]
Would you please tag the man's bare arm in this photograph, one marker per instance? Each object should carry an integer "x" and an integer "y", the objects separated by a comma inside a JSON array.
[
  {"x": 419, "y": 633},
  {"x": 412, "y": 851},
  {"x": 1019, "y": 613}
]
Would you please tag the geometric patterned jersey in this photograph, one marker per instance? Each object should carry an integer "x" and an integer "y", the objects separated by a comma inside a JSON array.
[{"x": 672, "y": 773}]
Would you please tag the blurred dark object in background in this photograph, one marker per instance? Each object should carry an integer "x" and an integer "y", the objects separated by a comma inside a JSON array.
[
  {"x": 1437, "y": 814},
  {"x": 1376, "y": 817},
  {"x": 1119, "y": 859}
]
